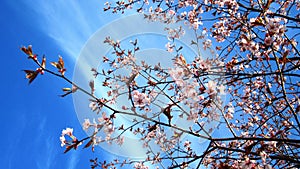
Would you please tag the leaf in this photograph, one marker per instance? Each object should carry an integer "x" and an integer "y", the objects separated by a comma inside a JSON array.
[
  {"x": 61, "y": 62},
  {"x": 59, "y": 65},
  {"x": 134, "y": 42},
  {"x": 66, "y": 89},
  {"x": 89, "y": 143},
  {"x": 68, "y": 148},
  {"x": 284, "y": 57},
  {"x": 121, "y": 127},
  {"x": 214, "y": 13},
  {"x": 298, "y": 109},
  {"x": 151, "y": 83},
  {"x": 167, "y": 112},
  {"x": 152, "y": 128},
  {"x": 55, "y": 64},
  {"x": 177, "y": 134},
  {"x": 43, "y": 63},
  {"x": 28, "y": 50},
  {"x": 258, "y": 22},
  {"x": 31, "y": 75},
  {"x": 218, "y": 47},
  {"x": 92, "y": 86},
  {"x": 182, "y": 59},
  {"x": 193, "y": 42}
]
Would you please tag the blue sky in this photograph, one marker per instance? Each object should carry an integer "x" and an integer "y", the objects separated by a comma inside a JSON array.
[{"x": 33, "y": 116}]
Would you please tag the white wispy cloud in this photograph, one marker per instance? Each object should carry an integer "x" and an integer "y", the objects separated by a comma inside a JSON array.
[
  {"x": 11, "y": 153},
  {"x": 68, "y": 22},
  {"x": 73, "y": 161},
  {"x": 50, "y": 153},
  {"x": 46, "y": 161}
]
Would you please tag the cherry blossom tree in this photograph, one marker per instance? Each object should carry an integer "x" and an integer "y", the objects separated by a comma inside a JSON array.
[{"x": 249, "y": 87}]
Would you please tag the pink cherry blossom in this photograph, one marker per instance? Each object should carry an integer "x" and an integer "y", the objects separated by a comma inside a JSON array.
[
  {"x": 140, "y": 99},
  {"x": 86, "y": 124}
]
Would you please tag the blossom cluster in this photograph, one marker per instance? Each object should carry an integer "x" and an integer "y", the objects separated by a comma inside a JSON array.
[{"x": 256, "y": 64}]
